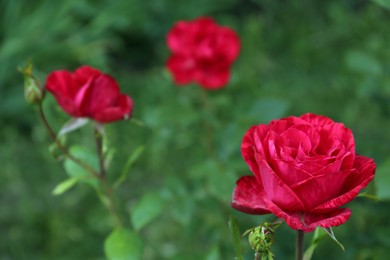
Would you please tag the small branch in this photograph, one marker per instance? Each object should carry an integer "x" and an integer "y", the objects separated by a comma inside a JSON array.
[
  {"x": 100, "y": 176},
  {"x": 54, "y": 138},
  {"x": 299, "y": 245},
  {"x": 99, "y": 149}
]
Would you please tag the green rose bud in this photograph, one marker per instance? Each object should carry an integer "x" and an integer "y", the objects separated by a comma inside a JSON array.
[
  {"x": 32, "y": 92},
  {"x": 260, "y": 239}
]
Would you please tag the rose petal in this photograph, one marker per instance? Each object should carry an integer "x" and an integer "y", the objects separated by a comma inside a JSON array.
[
  {"x": 248, "y": 196},
  {"x": 276, "y": 189},
  {"x": 211, "y": 78},
  {"x": 182, "y": 68},
  {"x": 60, "y": 84},
  {"x": 308, "y": 222},
  {"x": 122, "y": 111},
  {"x": 356, "y": 181}
]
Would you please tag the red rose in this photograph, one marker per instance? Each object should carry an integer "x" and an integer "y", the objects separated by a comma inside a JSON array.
[
  {"x": 304, "y": 169},
  {"x": 202, "y": 51},
  {"x": 89, "y": 93}
]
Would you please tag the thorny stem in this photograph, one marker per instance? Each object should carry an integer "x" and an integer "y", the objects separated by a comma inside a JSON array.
[
  {"x": 100, "y": 176},
  {"x": 299, "y": 245}
]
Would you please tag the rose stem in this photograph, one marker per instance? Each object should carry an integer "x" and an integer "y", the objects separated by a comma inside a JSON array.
[
  {"x": 83, "y": 165},
  {"x": 102, "y": 177},
  {"x": 63, "y": 148},
  {"x": 299, "y": 245},
  {"x": 257, "y": 256}
]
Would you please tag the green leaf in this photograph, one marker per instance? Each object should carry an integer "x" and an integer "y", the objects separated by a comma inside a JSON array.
[
  {"x": 363, "y": 62},
  {"x": 368, "y": 196},
  {"x": 319, "y": 235},
  {"x": 123, "y": 244},
  {"x": 132, "y": 158},
  {"x": 383, "y": 3},
  {"x": 147, "y": 209},
  {"x": 235, "y": 233},
  {"x": 64, "y": 186},
  {"x": 76, "y": 171},
  {"x": 72, "y": 125},
  {"x": 382, "y": 180},
  {"x": 329, "y": 231}
]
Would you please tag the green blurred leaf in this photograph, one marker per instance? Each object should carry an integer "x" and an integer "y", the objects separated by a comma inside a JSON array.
[
  {"x": 64, "y": 186},
  {"x": 267, "y": 109},
  {"x": 382, "y": 180},
  {"x": 132, "y": 158},
  {"x": 213, "y": 254},
  {"x": 383, "y": 3},
  {"x": 236, "y": 236},
  {"x": 362, "y": 62},
  {"x": 76, "y": 171},
  {"x": 72, "y": 125},
  {"x": 147, "y": 209},
  {"x": 123, "y": 244}
]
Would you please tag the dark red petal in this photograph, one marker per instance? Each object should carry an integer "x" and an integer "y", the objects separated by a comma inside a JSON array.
[
  {"x": 60, "y": 84},
  {"x": 321, "y": 188},
  {"x": 122, "y": 111},
  {"x": 325, "y": 220},
  {"x": 212, "y": 79},
  {"x": 357, "y": 180},
  {"x": 308, "y": 221},
  {"x": 276, "y": 189},
  {"x": 182, "y": 68},
  {"x": 227, "y": 43},
  {"x": 83, "y": 74},
  {"x": 316, "y": 120},
  {"x": 102, "y": 93},
  {"x": 248, "y": 196},
  {"x": 177, "y": 38}
]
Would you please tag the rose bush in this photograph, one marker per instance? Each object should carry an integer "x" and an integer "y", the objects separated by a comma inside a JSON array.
[
  {"x": 304, "y": 169},
  {"x": 89, "y": 93},
  {"x": 202, "y": 51}
]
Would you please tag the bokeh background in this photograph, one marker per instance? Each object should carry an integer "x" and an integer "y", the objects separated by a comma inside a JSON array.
[{"x": 326, "y": 57}]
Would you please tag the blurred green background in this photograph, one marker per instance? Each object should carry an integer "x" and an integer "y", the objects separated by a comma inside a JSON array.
[{"x": 326, "y": 57}]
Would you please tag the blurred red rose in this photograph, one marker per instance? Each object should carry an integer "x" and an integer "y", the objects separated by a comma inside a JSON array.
[
  {"x": 304, "y": 169},
  {"x": 202, "y": 52},
  {"x": 89, "y": 93}
]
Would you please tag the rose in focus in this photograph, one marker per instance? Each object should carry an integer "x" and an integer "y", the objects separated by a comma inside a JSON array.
[
  {"x": 202, "y": 52},
  {"x": 89, "y": 93},
  {"x": 305, "y": 168}
]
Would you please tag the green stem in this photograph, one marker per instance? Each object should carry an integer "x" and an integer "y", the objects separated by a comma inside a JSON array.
[
  {"x": 257, "y": 256},
  {"x": 299, "y": 245},
  {"x": 100, "y": 176},
  {"x": 63, "y": 149}
]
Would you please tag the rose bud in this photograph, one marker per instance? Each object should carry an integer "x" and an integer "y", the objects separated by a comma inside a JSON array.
[{"x": 305, "y": 168}]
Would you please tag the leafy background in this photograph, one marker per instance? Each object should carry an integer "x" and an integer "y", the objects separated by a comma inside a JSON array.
[{"x": 327, "y": 57}]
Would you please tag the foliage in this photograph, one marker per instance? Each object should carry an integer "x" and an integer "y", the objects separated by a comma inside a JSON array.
[{"x": 326, "y": 57}]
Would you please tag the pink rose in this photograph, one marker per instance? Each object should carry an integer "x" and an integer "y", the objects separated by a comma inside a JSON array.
[
  {"x": 304, "y": 169},
  {"x": 89, "y": 93},
  {"x": 202, "y": 52}
]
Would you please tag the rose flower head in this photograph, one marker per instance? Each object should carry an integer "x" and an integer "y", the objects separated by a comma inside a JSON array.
[
  {"x": 89, "y": 93},
  {"x": 305, "y": 168},
  {"x": 202, "y": 52}
]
